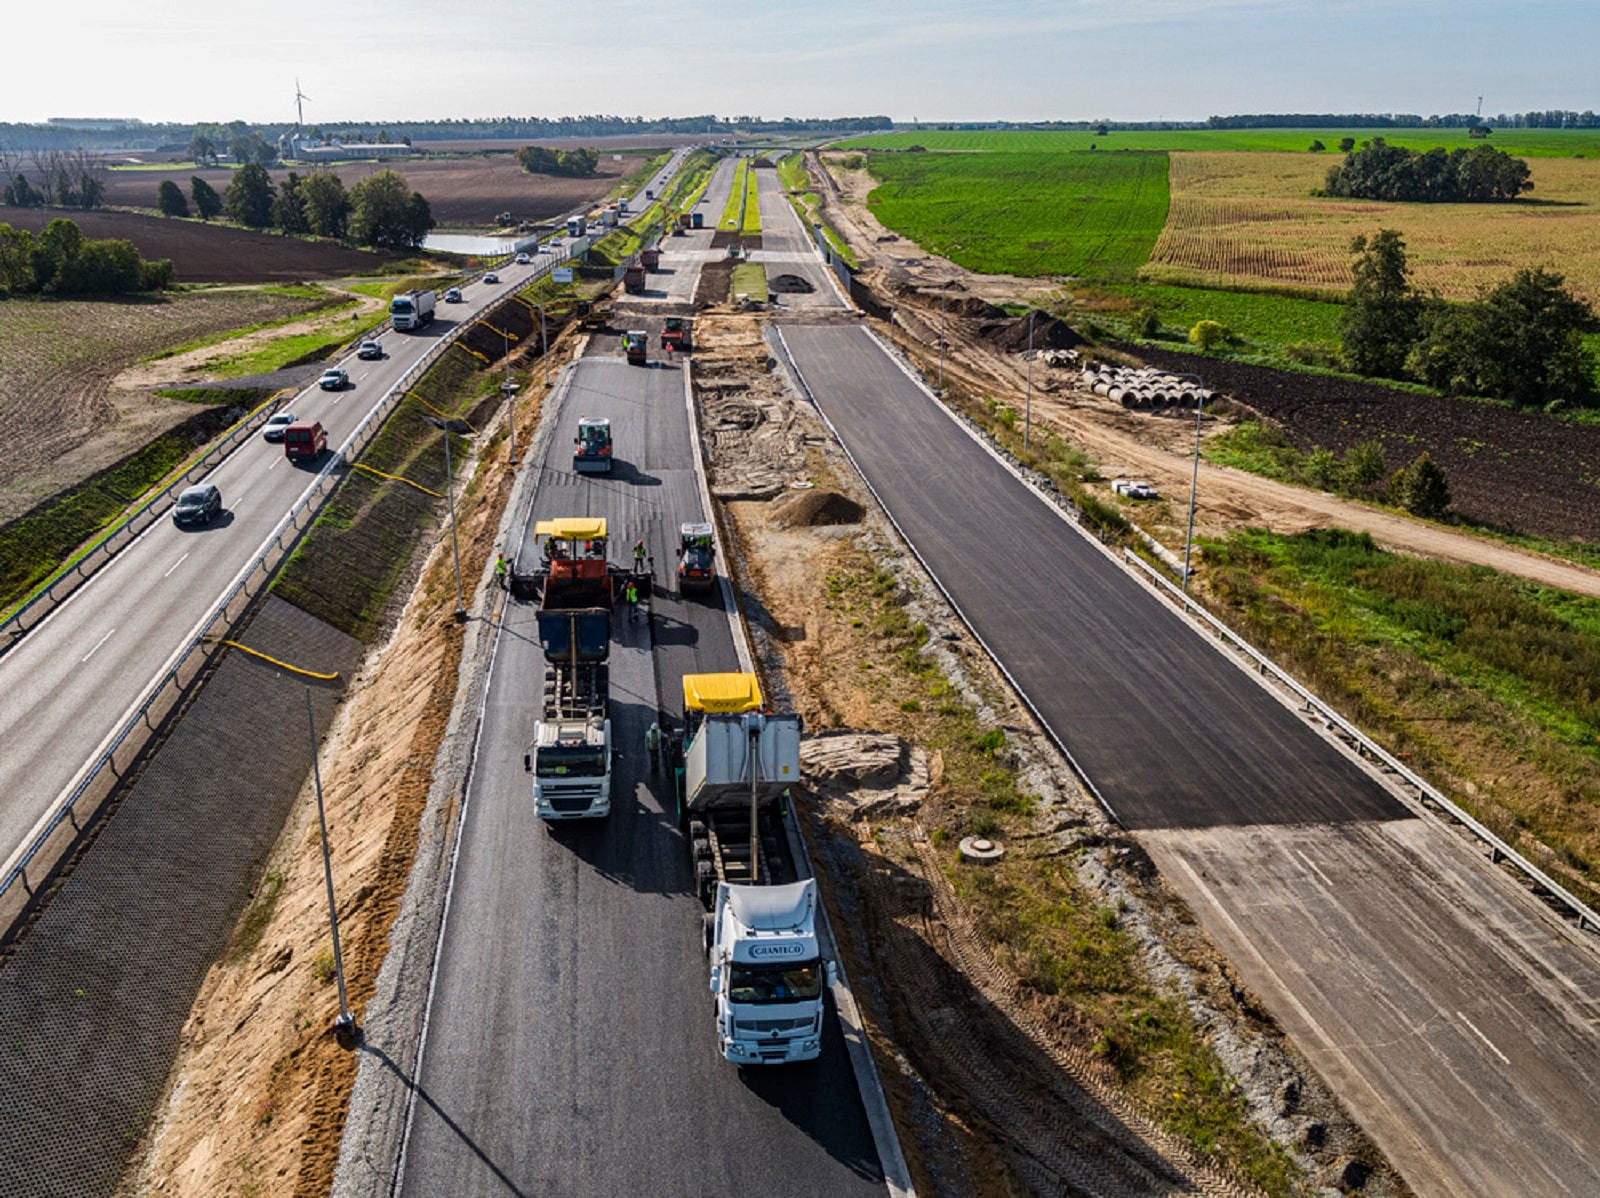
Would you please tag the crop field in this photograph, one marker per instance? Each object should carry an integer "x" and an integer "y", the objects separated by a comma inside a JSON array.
[
  {"x": 1088, "y": 215},
  {"x": 58, "y": 360},
  {"x": 1249, "y": 219},
  {"x": 1524, "y": 143}
]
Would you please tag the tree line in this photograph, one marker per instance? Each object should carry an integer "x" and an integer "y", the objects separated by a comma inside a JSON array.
[
  {"x": 1553, "y": 119},
  {"x": 539, "y": 160},
  {"x": 1521, "y": 341},
  {"x": 1379, "y": 171},
  {"x": 61, "y": 179},
  {"x": 60, "y": 260},
  {"x": 380, "y": 210}
]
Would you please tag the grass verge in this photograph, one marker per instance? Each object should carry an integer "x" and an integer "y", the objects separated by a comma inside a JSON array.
[
  {"x": 731, "y": 211},
  {"x": 750, "y": 278}
]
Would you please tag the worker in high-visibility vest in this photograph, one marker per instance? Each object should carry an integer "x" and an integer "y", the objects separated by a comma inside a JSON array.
[
  {"x": 630, "y": 595},
  {"x": 652, "y": 745}
]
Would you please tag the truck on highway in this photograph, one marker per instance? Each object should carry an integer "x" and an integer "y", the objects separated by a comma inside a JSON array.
[
  {"x": 633, "y": 276},
  {"x": 760, "y": 932},
  {"x": 636, "y": 346},
  {"x": 650, "y": 258},
  {"x": 571, "y": 753},
  {"x": 411, "y": 310},
  {"x": 576, "y": 226},
  {"x": 678, "y": 334},
  {"x": 591, "y": 452}
]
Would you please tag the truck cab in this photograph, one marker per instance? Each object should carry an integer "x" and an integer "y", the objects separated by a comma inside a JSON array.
[
  {"x": 592, "y": 447},
  {"x": 697, "y": 555},
  {"x": 576, "y": 225},
  {"x": 767, "y": 973}
]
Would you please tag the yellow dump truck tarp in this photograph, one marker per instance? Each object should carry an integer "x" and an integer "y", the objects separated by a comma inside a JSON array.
[
  {"x": 721, "y": 693},
  {"x": 572, "y": 528}
]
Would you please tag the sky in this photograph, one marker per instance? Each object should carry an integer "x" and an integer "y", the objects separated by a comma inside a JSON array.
[{"x": 924, "y": 60}]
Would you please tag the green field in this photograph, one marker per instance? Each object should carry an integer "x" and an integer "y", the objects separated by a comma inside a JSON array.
[
  {"x": 1088, "y": 215},
  {"x": 1262, "y": 321},
  {"x": 1529, "y": 143}
]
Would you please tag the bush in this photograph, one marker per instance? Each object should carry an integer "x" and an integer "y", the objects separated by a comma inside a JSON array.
[
  {"x": 170, "y": 200},
  {"x": 1317, "y": 147},
  {"x": 1208, "y": 334},
  {"x": 1146, "y": 323},
  {"x": 1364, "y": 465},
  {"x": 1421, "y": 489}
]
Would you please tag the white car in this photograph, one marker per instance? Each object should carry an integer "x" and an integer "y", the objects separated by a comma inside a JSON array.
[
  {"x": 491, "y": 277},
  {"x": 272, "y": 430},
  {"x": 523, "y": 259},
  {"x": 333, "y": 379},
  {"x": 1134, "y": 489}
]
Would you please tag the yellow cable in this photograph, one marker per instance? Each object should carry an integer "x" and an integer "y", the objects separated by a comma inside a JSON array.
[
  {"x": 285, "y": 665},
  {"x": 443, "y": 415},
  {"x": 397, "y": 478}
]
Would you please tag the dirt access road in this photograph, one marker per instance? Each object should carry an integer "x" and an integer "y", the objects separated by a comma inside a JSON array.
[{"x": 1156, "y": 447}]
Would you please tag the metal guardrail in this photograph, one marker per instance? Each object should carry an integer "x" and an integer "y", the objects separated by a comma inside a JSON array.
[
  {"x": 191, "y": 660},
  {"x": 60, "y": 586},
  {"x": 1499, "y": 850}
]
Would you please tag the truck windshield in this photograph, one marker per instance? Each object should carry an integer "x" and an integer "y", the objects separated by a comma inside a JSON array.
[
  {"x": 400, "y": 305},
  {"x": 569, "y": 763},
  {"x": 591, "y": 435},
  {"x": 775, "y": 983}
]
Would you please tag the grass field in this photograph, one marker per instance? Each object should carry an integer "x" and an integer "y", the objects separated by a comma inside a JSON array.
[
  {"x": 1525, "y": 143},
  {"x": 1242, "y": 219},
  {"x": 730, "y": 210},
  {"x": 1089, "y": 215}
]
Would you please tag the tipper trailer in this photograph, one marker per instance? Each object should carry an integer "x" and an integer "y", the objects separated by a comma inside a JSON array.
[{"x": 767, "y": 973}]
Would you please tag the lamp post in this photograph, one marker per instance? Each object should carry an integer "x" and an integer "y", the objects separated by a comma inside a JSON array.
[
  {"x": 1194, "y": 480},
  {"x": 345, "y": 1030},
  {"x": 1027, "y": 408}
]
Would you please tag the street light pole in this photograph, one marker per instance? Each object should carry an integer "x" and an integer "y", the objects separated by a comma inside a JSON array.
[
  {"x": 345, "y": 1030},
  {"x": 1027, "y": 409},
  {"x": 1194, "y": 480}
]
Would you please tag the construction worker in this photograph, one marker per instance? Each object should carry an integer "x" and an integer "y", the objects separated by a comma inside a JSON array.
[
  {"x": 638, "y": 557},
  {"x": 652, "y": 745},
  {"x": 630, "y": 595},
  {"x": 502, "y": 571}
]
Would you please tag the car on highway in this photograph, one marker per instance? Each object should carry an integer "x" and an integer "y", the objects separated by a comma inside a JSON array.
[
  {"x": 552, "y": 243},
  {"x": 523, "y": 259},
  {"x": 491, "y": 277},
  {"x": 369, "y": 350},
  {"x": 272, "y": 430},
  {"x": 199, "y": 504},
  {"x": 453, "y": 296},
  {"x": 333, "y": 379},
  {"x": 1134, "y": 489}
]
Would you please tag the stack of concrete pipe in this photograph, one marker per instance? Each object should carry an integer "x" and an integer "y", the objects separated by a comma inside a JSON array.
[{"x": 1144, "y": 389}]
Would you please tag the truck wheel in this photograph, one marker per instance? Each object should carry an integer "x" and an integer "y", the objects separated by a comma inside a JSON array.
[
  {"x": 705, "y": 881},
  {"x": 700, "y": 849},
  {"x": 708, "y": 929}
]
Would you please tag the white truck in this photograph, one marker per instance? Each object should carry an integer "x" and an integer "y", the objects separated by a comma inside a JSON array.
[
  {"x": 411, "y": 310},
  {"x": 767, "y": 973}
]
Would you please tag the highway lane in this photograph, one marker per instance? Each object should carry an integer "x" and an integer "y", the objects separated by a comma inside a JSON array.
[
  {"x": 1452, "y": 1012},
  {"x": 570, "y": 1046},
  {"x": 681, "y": 257},
  {"x": 787, "y": 248},
  {"x": 70, "y": 683}
]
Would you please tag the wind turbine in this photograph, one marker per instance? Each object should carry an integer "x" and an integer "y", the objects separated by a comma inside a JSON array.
[{"x": 299, "y": 106}]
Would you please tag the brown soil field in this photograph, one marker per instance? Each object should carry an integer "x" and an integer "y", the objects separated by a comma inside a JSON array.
[
  {"x": 214, "y": 253},
  {"x": 1247, "y": 219},
  {"x": 462, "y": 192}
]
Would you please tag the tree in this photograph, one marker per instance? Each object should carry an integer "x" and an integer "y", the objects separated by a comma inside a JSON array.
[
  {"x": 1364, "y": 465},
  {"x": 1421, "y": 489},
  {"x": 289, "y": 210},
  {"x": 206, "y": 200},
  {"x": 1208, "y": 334},
  {"x": 1316, "y": 146},
  {"x": 327, "y": 207},
  {"x": 1346, "y": 144},
  {"x": 54, "y": 249},
  {"x": 16, "y": 259},
  {"x": 251, "y": 147},
  {"x": 385, "y": 214},
  {"x": 170, "y": 200},
  {"x": 20, "y": 193},
  {"x": 1383, "y": 312},
  {"x": 202, "y": 149},
  {"x": 249, "y": 197}
]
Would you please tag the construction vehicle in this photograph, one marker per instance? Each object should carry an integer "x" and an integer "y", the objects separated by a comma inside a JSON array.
[
  {"x": 591, "y": 453},
  {"x": 633, "y": 276},
  {"x": 650, "y": 258},
  {"x": 636, "y": 345},
  {"x": 570, "y": 756},
  {"x": 697, "y": 556},
  {"x": 699, "y": 220},
  {"x": 677, "y": 334},
  {"x": 760, "y": 933},
  {"x": 592, "y": 314}
]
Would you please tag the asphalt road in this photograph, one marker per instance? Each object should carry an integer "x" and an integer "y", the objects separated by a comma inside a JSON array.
[
  {"x": 787, "y": 249},
  {"x": 73, "y": 681},
  {"x": 570, "y": 1046},
  {"x": 1454, "y": 1015}
]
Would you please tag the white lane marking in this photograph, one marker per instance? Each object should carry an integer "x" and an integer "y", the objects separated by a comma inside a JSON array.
[
  {"x": 275, "y": 462},
  {"x": 168, "y": 574},
  {"x": 98, "y": 643},
  {"x": 1504, "y": 1060},
  {"x": 1311, "y": 865}
]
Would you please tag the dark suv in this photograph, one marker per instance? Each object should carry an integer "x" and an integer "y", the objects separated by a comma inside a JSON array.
[{"x": 198, "y": 505}]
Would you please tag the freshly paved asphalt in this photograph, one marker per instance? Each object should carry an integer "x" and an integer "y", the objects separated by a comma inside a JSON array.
[
  {"x": 570, "y": 1047},
  {"x": 1453, "y": 1014}
]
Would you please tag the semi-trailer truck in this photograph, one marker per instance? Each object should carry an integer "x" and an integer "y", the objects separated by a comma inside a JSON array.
[
  {"x": 576, "y": 226},
  {"x": 650, "y": 257},
  {"x": 737, "y": 764},
  {"x": 633, "y": 278},
  {"x": 571, "y": 753},
  {"x": 411, "y": 310}
]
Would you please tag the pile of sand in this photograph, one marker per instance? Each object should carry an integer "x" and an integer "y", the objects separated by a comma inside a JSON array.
[
  {"x": 816, "y": 508},
  {"x": 1048, "y": 333}
]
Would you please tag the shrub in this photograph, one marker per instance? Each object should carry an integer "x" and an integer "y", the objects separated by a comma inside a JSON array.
[
  {"x": 1208, "y": 334},
  {"x": 1421, "y": 489},
  {"x": 1364, "y": 465},
  {"x": 1146, "y": 323}
]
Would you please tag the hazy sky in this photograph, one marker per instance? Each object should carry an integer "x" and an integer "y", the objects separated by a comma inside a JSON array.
[{"x": 195, "y": 60}]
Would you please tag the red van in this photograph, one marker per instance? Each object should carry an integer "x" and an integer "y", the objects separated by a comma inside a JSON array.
[{"x": 305, "y": 441}]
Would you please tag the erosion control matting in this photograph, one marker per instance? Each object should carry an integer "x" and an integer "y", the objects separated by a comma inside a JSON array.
[{"x": 94, "y": 999}]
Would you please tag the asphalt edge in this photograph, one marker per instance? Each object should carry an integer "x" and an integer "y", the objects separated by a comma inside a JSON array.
[{"x": 896, "y": 1176}]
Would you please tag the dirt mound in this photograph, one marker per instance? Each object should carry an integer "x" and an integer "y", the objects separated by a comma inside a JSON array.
[
  {"x": 1048, "y": 333},
  {"x": 790, "y": 285},
  {"x": 816, "y": 508},
  {"x": 956, "y": 304}
]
